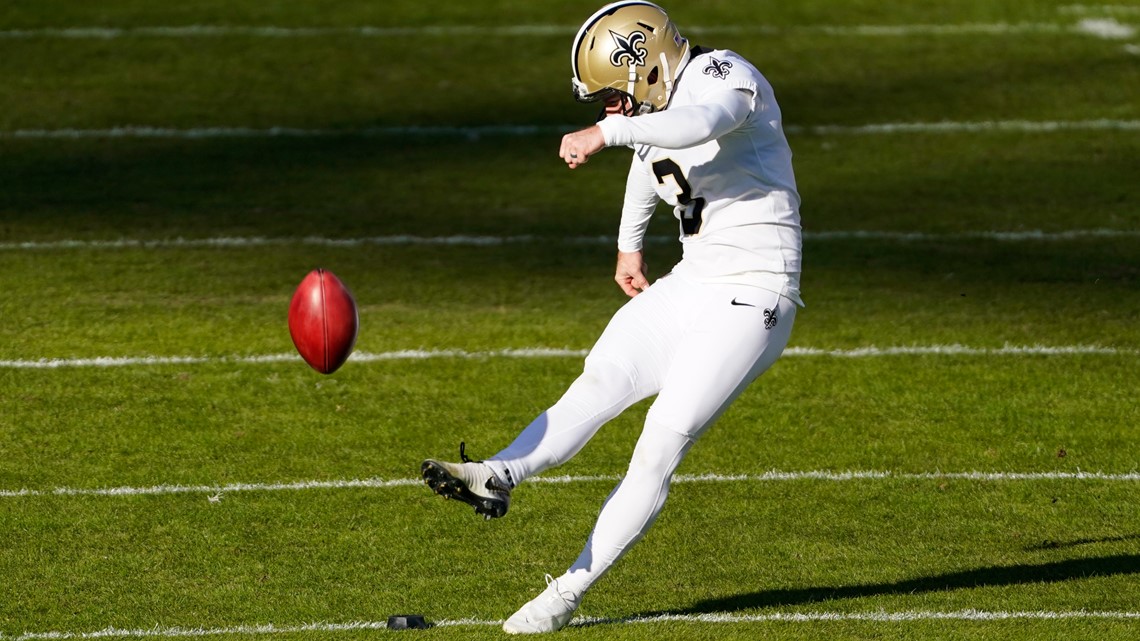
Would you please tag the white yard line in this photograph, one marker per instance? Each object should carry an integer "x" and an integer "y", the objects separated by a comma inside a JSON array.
[
  {"x": 358, "y": 357},
  {"x": 962, "y": 350},
  {"x": 195, "y": 133},
  {"x": 475, "y": 132},
  {"x": 773, "y": 476},
  {"x": 551, "y": 352},
  {"x": 1106, "y": 28},
  {"x": 246, "y": 242},
  {"x": 903, "y": 616},
  {"x": 882, "y": 616}
]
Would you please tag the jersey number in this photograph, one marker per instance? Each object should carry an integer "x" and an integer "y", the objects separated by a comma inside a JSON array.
[{"x": 690, "y": 208}]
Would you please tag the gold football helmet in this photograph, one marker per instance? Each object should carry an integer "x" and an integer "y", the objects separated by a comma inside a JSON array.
[{"x": 629, "y": 48}]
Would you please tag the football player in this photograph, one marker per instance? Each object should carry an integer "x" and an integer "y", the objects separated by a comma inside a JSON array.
[{"x": 707, "y": 138}]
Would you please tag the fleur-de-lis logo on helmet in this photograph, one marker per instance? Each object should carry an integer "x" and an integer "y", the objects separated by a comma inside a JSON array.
[
  {"x": 718, "y": 69},
  {"x": 627, "y": 47}
]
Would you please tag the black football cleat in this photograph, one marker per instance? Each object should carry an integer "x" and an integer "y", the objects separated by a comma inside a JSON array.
[{"x": 471, "y": 482}]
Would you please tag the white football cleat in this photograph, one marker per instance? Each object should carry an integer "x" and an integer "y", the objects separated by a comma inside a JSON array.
[
  {"x": 472, "y": 482},
  {"x": 547, "y": 612}
]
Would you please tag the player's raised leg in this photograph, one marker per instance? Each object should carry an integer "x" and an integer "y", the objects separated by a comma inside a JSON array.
[{"x": 625, "y": 365}]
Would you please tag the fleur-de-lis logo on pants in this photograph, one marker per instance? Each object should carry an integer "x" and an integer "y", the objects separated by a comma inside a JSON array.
[
  {"x": 770, "y": 319},
  {"x": 718, "y": 69},
  {"x": 627, "y": 48}
]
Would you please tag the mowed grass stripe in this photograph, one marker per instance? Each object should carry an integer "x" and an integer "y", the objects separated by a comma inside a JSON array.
[
  {"x": 460, "y": 240},
  {"x": 547, "y": 352},
  {"x": 203, "y": 133},
  {"x": 709, "y": 618},
  {"x": 1106, "y": 27},
  {"x": 771, "y": 476}
]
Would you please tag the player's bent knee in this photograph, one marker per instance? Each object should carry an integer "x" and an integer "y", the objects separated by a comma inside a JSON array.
[
  {"x": 658, "y": 453},
  {"x": 685, "y": 424},
  {"x": 607, "y": 379}
]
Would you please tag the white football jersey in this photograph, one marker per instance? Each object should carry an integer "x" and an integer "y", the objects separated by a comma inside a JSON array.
[{"x": 734, "y": 194}]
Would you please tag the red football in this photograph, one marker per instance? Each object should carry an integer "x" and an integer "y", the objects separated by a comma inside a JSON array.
[{"x": 323, "y": 321}]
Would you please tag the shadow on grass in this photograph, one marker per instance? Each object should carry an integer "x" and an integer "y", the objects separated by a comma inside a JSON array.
[
  {"x": 1054, "y": 545},
  {"x": 1054, "y": 572}
]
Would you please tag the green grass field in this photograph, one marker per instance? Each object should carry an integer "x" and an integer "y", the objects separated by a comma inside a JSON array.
[{"x": 170, "y": 468}]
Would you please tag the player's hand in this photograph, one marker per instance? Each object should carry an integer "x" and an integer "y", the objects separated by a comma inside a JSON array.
[
  {"x": 577, "y": 147},
  {"x": 630, "y": 276}
]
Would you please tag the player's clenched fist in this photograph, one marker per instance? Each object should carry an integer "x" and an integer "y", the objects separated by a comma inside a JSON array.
[
  {"x": 630, "y": 274},
  {"x": 577, "y": 147}
]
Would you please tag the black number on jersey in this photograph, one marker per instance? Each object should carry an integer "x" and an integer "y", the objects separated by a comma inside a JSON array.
[{"x": 690, "y": 208}]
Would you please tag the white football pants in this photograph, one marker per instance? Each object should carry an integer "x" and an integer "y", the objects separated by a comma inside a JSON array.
[{"x": 697, "y": 347}]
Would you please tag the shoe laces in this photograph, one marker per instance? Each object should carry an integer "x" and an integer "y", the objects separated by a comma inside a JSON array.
[
  {"x": 463, "y": 453},
  {"x": 565, "y": 595},
  {"x": 493, "y": 483}
]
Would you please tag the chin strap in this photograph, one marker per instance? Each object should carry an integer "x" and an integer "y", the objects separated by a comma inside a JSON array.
[
  {"x": 631, "y": 79},
  {"x": 666, "y": 73}
]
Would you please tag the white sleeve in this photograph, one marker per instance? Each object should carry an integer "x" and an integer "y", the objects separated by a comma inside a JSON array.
[
  {"x": 640, "y": 201},
  {"x": 681, "y": 127}
]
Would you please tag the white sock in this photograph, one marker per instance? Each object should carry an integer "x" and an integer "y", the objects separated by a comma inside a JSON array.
[{"x": 502, "y": 474}]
